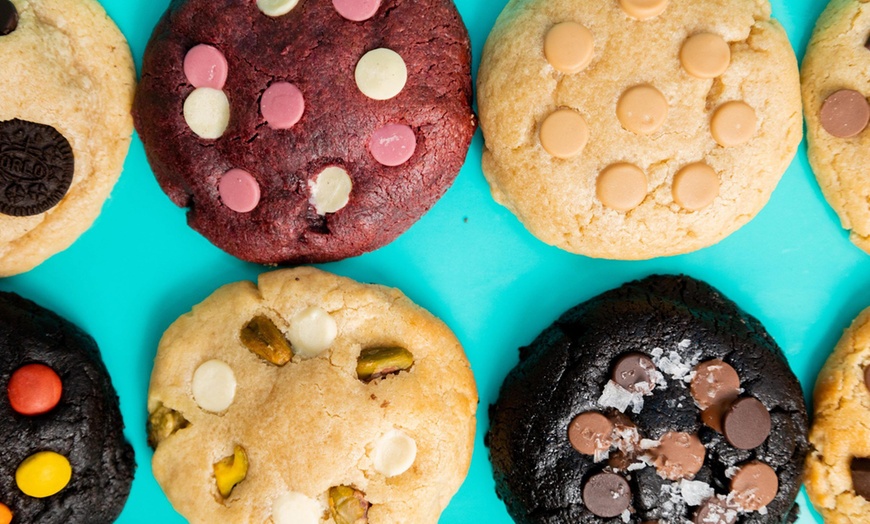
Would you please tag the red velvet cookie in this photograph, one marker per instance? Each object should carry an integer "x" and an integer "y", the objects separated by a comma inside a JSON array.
[{"x": 306, "y": 131}]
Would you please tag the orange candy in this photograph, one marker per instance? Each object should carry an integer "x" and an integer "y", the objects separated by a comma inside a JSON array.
[
  {"x": 34, "y": 389},
  {"x": 5, "y": 514}
]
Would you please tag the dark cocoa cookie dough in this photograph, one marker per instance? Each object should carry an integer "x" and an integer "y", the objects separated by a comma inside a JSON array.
[
  {"x": 83, "y": 427},
  {"x": 682, "y": 326},
  {"x": 317, "y": 51}
]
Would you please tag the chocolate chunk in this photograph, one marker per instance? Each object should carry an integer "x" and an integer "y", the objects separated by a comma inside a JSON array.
[
  {"x": 8, "y": 17},
  {"x": 715, "y": 511},
  {"x": 634, "y": 373},
  {"x": 861, "y": 476},
  {"x": 867, "y": 377},
  {"x": 867, "y": 44},
  {"x": 36, "y": 168},
  {"x": 754, "y": 486},
  {"x": 679, "y": 455},
  {"x": 845, "y": 113},
  {"x": 590, "y": 432},
  {"x": 746, "y": 424},
  {"x": 607, "y": 494}
]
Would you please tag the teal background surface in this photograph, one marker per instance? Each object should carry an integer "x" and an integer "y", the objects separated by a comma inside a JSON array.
[{"x": 469, "y": 261}]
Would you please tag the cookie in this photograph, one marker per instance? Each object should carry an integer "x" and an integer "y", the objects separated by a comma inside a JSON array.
[
  {"x": 660, "y": 401},
  {"x": 631, "y": 129},
  {"x": 64, "y": 458},
  {"x": 66, "y": 89},
  {"x": 835, "y": 89},
  {"x": 837, "y": 477},
  {"x": 306, "y": 131},
  {"x": 309, "y": 395}
]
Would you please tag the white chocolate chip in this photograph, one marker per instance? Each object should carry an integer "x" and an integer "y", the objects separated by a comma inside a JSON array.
[
  {"x": 312, "y": 331},
  {"x": 296, "y": 508},
  {"x": 330, "y": 191},
  {"x": 381, "y": 74},
  {"x": 207, "y": 112},
  {"x": 275, "y": 8},
  {"x": 394, "y": 453},
  {"x": 214, "y": 386}
]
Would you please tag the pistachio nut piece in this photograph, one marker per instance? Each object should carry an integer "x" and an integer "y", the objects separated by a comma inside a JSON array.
[
  {"x": 375, "y": 363},
  {"x": 348, "y": 506},
  {"x": 230, "y": 471},
  {"x": 163, "y": 423},
  {"x": 264, "y": 339}
]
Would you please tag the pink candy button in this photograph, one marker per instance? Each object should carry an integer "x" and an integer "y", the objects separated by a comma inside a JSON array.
[
  {"x": 205, "y": 66},
  {"x": 393, "y": 144},
  {"x": 239, "y": 191},
  {"x": 282, "y": 105},
  {"x": 357, "y": 10}
]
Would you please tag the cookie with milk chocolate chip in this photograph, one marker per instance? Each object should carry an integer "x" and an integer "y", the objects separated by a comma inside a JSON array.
[
  {"x": 66, "y": 89},
  {"x": 838, "y": 466},
  {"x": 310, "y": 398},
  {"x": 660, "y": 401},
  {"x": 632, "y": 129},
  {"x": 835, "y": 89},
  {"x": 306, "y": 131}
]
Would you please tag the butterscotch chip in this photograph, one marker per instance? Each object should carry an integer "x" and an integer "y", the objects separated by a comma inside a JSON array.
[
  {"x": 845, "y": 113},
  {"x": 705, "y": 55},
  {"x": 564, "y": 133},
  {"x": 643, "y": 9},
  {"x": 642, "y": 109},
  {"x": 696, "y": 186},
  {"x": 569, "y": 47},
  {"x": 754, "y": 486},
  {"x": 621, "y": 186},
  {"x": 734, "y": 123}
]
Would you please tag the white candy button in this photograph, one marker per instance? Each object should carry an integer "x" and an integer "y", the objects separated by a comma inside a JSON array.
[
  {"x": 381, "y": 74},
  {"x": 312, "y": 331},
  {"x": 276, "y": 7},
  {"x": 214, "y": 386},
  {"x": 207, "y": 112},
  {"x": 330, "y": 191},
  {"x": 394, "y": 453},
  {"x": 296, "y": 508}
]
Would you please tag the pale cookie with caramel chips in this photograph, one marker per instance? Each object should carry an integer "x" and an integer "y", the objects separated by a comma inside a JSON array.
[{"x": 310, "y": 398}]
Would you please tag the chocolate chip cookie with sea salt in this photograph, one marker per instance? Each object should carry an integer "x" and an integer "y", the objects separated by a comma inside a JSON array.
[
  {"x": 632, "y": 129},
  {"x": 310, "y": 398}
]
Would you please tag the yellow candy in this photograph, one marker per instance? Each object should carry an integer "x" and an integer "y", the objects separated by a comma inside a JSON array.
[{"x": 43, "y": 474}]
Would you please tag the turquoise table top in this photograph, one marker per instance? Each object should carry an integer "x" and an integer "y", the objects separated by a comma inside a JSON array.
[{"x": 469, "y": 261}]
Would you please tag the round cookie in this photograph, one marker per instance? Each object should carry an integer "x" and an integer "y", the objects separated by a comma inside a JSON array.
[
  {"x": 659, "y": 401},
  {"x": 64, "y": 458},
  {"x": 835, "y": 88},
  {"x": 67, "y": 87},
  {"x": 303, "y": 134},
  {"x": 310, "y": 394},
  {"x": 837, "y": 469},
  {"x": 658, "y": 159}
]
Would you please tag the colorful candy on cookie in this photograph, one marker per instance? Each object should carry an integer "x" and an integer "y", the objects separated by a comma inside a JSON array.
[
  {"x": 611, "y": 149},
  {"x": 660, "y": 401},
  {"x": 306, "y": 130},
  {"x": 65, "y": 459},
  {"x": 310, "y": 398},
  {"x": 67, "y": 82}
]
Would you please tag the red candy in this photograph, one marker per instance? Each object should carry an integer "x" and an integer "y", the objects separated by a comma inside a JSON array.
[
  {"x": 393, "y": 144},
  {"x": 239, "y": 190},
  {"x": 357, "y": 10},
  {"x": 205, "y": 66},
  {"x": 34, "y": 389},
  {"x": 282, "y": 105}
]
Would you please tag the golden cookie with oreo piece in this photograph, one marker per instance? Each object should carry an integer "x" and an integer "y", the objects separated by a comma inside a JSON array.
[{"x": 308, "y": 398}]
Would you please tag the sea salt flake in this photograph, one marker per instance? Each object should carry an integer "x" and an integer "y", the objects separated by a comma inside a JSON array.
[
  {"x": 626, "y": 516},
  {"x": 694, "y": 492},
  {"x": 617, "y": 397}
]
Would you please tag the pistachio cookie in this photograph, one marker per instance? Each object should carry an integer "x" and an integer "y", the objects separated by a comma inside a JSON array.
[
  {"x": 835, "y": 88},
  {"x": 306, "y": 131},
  {"x": 64, "y": 459},
  {"x": 66, "y": 89},
  {"x": 660, "y": 401},
  {"x": 632, "y": 129},
  {"x": 310, "y": 399},
  {"x": 838, "y": 466}
]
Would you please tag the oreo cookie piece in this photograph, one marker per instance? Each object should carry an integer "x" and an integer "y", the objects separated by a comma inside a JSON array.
[
  {"x": 660, "y": 401},
  {"x": 64, "y": 458},
  {"x": 306, "y": 131}
]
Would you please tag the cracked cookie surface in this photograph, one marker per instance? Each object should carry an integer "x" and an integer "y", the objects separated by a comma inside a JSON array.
[
  {"x": 320, "y": 425},
  {"x": 686, "y": 115}
]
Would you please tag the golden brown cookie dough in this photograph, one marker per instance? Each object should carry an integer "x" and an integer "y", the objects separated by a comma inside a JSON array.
[
  {"x": 377, "y": 405},
  {"x": 642, "y": 106},
  {"x": 66, "y": 65}
]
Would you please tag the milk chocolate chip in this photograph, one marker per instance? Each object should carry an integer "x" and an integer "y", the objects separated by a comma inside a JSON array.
[
  {"x": 754, "y": 486},
  {"x": 714, "y": 387},
  {"x": 607, "y": 495},
  {"x": 746, "y": 424},
  {"x": 715, "y": 511},
  {"x": 679, "y": 455},
  {"x": 36, "y": 168},
  {"x": 845, "y": 113},
  {"x": 634, "y": 373},
  {"x": 861, "y": 476},
  {"x": 8, "y": 17},
  {"x": 590, "y": 432}
]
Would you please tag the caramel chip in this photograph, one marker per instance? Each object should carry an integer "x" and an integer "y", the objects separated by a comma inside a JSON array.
[
  {"x": 705, "y": 55},
  {"x": 590, "y": 432},
  {"x": 607, "y": 494},
  {"x": 746, "y": 424},
  {"x": 754, "y": 486},
  {"x": 733, "y": 123},
  {"x": 569, "y": 47},
  {"x": 643, "y": 9},
  {"x": 642, "y": 109},
  {"x": 621, "y": 186},
  {"x": 845, "y": 114},
  {"x": 679, "y": 455},
  {"x": 696, "y": 186},
  {"x": 564, "y": 133}
]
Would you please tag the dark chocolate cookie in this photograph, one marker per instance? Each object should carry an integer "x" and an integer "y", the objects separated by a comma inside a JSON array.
[
  {"x": 660, "y": 401},
  {"x": 306, "y": 131},
  {"x": 63, "y": 457}
]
